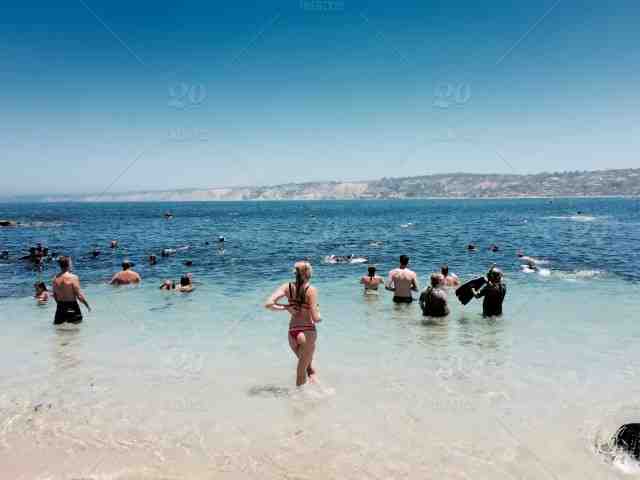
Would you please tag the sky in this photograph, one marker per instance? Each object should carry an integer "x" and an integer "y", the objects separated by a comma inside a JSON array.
[{"x": 126, "y": 96}]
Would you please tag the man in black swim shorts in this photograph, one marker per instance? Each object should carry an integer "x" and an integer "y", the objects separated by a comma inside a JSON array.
[{"x": 67, "y": 293}]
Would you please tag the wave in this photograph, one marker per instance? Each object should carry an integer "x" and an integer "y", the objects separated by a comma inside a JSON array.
[
  {"x": 42, "y": 224},
  {"x": 577, "y": 218},
  {"x": 581, "y": 274},
  {"x": 335, "y": 259}
]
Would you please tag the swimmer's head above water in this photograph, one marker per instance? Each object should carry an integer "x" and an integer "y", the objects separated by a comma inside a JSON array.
[
  {"x": 404, "y": 261},
  {"x": 494, "y": 275},
  {"x": 126, "y": 265},
  {"x": 372, "y": 271},
  {"x": 437, "y": 279},
  {"x": 65, "y": 263},
  {"x": 444, "y": 270}
]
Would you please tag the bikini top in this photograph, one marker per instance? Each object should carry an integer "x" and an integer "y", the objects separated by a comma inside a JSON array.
[{"x": 294, "y": 301}]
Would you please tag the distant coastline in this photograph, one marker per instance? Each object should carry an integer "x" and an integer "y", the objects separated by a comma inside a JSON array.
[{"x": 619, "y": 183}]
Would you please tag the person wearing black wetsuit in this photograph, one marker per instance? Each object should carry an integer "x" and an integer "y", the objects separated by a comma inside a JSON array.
[
  {"x": 493, "y": 292},
  {"x": 433, "y": 299}
]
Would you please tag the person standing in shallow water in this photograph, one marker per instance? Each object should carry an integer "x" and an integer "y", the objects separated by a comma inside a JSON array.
[
  {"x": 402, "y": 281},
  {"x": 433, "y": 299},
  {"x": 303, "y": 307},
  {"x": 371, "y": 281},
  {"x": 67, "y": 293},
  {"x": 493, "y": 292},
  {"x": 126, "y": 276}
]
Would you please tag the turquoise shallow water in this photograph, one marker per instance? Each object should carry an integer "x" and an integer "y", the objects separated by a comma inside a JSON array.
[{"x": 160, "y": 386}]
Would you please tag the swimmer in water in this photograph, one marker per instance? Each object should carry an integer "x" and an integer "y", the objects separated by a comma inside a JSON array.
[
  {"x": 95, "y": 253},
  {"x": 153, "y": 259},
  {"x": 114, "y": 243},
  {"x": 168, "y": 285},
  {"x": 402, "y": 281},
  {"x": 433, "y": 299},
  {"x": 371, "y": 281},
  {"x": 493, "y": 292},
  {"x": 494, "y": 248},
  {"x": 42, "y": 294},
  {"x": 472, "y": 248},
  {"x": 188, "y": 263},
  {"x": 67, "y": 293},
  {"x": 4, "y": 255},
  {"x": 166, "y": 252},
  {"x": 450, "y": 279},
  {"x": 185, "y": 284},
  {"x": 303, "y": 308},
  {"x": 126, "y": 276}
]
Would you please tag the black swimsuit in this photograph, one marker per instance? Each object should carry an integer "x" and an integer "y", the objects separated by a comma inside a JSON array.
[{"x": 68, "y": 312}]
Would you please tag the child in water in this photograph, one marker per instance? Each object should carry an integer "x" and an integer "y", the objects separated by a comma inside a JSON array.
[
  {"x": 42, "y": 294},
  {"x": 303, "y": 307}
]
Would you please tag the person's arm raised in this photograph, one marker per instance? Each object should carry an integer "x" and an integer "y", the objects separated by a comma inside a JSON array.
[{"x": 272, "y": 301}]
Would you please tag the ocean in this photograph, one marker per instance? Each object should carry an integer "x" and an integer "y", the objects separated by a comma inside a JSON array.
[{"x": 159, "y": 385}]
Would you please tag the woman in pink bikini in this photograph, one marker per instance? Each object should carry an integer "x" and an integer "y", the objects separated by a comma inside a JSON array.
[{"x": 303, "y": 308}]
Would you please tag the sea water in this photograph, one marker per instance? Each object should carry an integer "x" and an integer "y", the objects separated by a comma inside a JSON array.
[{"x": 161, "y": 385}]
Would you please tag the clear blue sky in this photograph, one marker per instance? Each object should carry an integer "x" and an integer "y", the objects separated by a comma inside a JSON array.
[{"x": 202, "y": 94}]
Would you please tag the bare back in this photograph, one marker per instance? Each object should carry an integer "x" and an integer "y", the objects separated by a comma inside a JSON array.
[
  {"x": 66, "y": 287},
  {"x": 371, "y": 283},
  {"x": 125, "y": 277},
  {"x": 402, "y": 281},
  {"x": 303, "y": 315}
]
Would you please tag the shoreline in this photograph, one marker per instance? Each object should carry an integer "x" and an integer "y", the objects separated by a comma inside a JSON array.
[{"x": 276, "y": 200}]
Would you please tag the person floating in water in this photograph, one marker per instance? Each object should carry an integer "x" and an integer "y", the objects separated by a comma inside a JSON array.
[
  {"x": 42, "y": 294},
  {"x": 168, "y": 285},
  {"x": 493, "y": 292},
  {"x": 450, "y": 279},
  {"x": 95, "y": 253},
  {"x": 472, "y": 248},
  {"x": 67, "y": 293},
  {"x": 186, "y": 286},
  {"x": 433, "y": 299},
  {"x": 402, "y": 282},
  {"x": 153, "y": 259},
  {"x": 114, "y": 244},
  {"x": 126, "y": 276},
  {"x": 371, "y": 281},
  {"x": 303, "y": 309},
  {"x": 494, "y": 248}
]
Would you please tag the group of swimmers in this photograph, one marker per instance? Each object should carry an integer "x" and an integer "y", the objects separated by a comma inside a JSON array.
[
  {"x": 402, "y": 281},
  {"x": 303, "y": 309}
]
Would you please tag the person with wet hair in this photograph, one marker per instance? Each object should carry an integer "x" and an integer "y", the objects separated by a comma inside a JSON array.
[
  {"x": 186, "y": 286},
  {"x": 450, "y": 279},
  {"x": 67, "y": 293},
  {"x": 168, "y": 285},
  {"x": 493, "y": 292},
  {"x": 42, "y": 294},
  {"x": 371, "y": 281},
  {"x": 304, "y": 313},
  {"x": 433, "y": 299},
  {"x": 126, "y": 276},
  {"x": 402, "y": 281}
]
